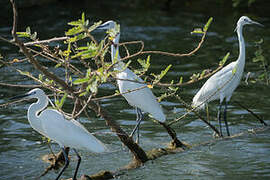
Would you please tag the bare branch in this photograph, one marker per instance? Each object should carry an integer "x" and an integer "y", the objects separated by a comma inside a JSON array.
[
  {"x": 20, "y": 85},
  {"x": 46, "y": 41}
]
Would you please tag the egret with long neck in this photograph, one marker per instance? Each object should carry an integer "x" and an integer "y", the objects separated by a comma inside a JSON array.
[
  {"x": 223, "y": 83},
  {"x": 53, "y": 125},
  {"x": 136, "y": 94}
]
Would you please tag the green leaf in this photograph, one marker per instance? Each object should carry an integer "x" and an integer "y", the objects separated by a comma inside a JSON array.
[
  {"x": 206, "y": 26},
  {"x": 164, "y": 72},
  {"x": 223, "y": 61},
  {"x": 202, "y": 73},
  {"x": 88, "y": 73},
  {"x": 234, "y": 70},
  {"x": 126, "y": 65},
  {"x": 75, "y": 23},
  {"x": 40, "y": 77},
  {"x": 144, "y": 63},
  {"x": 33, "y": 36},
  {"x": 259, "y": 42},
  {"x": 62, "y": 101},
  {"x": 23, "y": 34},
  {"x": 197, "y": 31},
  {"x": 93, "y": 86},
  {"x": 58, "y": 65},
  {"x": 83, "y": 18},
  {"x": 174, "y": 89},
  {"x": 83, "y": 93},
  {"x": 80, "y": 81},
  {"x": 181, "y": 80},
  {"x": 25, "y": 73},
  {"x": 195, "y": 77},
  {"x": 74, "y": 31},
  {"x": 28, "y": 30}
]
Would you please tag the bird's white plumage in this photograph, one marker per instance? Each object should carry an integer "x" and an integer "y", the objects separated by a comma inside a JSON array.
[
  {"x": 142, "y": 98},
  {"x": 223, "y": 83},
  {"x": 52, "y": 124}
]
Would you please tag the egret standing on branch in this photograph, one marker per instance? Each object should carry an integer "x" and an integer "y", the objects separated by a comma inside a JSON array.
[
  {"x": 142, "y": 99},
  {"x": 52, "y": 124},
  {"x": 222, "y": 84}
]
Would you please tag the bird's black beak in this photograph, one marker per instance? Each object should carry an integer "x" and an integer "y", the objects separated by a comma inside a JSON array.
[
  {"x": 19, "y": 97},
  {"x": 102, "y": 26}
]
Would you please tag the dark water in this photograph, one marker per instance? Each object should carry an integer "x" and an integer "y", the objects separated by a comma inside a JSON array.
[{"x": 21, "y": 148}]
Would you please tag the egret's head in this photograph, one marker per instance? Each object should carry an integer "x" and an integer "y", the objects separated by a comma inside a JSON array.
[
  {"x": 245, "y": 20},
  {"x": 34, "y": 93},
  {"x": 112, "y": 29},
  {"x": 107, "y": 25}
]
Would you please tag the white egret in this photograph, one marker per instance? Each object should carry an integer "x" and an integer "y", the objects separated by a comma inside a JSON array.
[
  {"x": 52, "y": 124},
  {"x": 223, "y": 83},
  {"x": 142, "y": 99}
]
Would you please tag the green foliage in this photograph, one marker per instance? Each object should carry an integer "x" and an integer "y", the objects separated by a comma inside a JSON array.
[
  {"x": 223, "y": 61},
  {"x": 234, "y": 69},
  {"x": 80, "y": 29},
  {"x": 262, "y": 62},
  {"x": 161, "y": 75},
  {"x": 207, "y": 25},
  {"x": 28, "y": 34},
  {"x": 195, "y": 76},
  {"x": 145, "y": 66},
  {"x": 59, "y": 103},
  {"x": 205, "y": 28},
  {"x": 180, "y": 80},
  {"x": 86, "y": 52}
]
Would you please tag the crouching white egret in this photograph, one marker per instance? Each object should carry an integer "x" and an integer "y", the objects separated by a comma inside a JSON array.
[
  {"x": 52, "y": 124},
  {"x": 223, "y": 83},
  {"x": 142, "y": 99}
]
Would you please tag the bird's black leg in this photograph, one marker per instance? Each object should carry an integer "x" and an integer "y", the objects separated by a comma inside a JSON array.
[
  {"x": 78, "y": 164},
  {"x": 219, "y": 119},
  {"x": 138, "y": 120},
  {"x": 225, "y": 118},
  {"x": 66, "y": 163}
]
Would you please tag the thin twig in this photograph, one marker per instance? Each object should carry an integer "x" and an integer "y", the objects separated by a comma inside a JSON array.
[
  {"x": 46, "y": 41},
  {"x": 178, "y": 54},
  {"x": 20, "y": 85},
  {"x": 83, "y": 108}
]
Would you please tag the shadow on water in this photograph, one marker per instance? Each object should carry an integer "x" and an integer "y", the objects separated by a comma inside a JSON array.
[{"x": 21, "y": 147}]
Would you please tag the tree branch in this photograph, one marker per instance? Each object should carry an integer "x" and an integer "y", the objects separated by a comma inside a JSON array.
[{"x": 139, "y": 154}]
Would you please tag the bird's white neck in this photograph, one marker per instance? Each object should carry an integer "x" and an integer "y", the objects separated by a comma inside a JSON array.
[
  {"x": 34, "y": 110},
  {"x": 242, "y": 50},
  {"x": 115, "y": 56}
]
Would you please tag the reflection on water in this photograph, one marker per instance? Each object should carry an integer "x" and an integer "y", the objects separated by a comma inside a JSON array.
[{"x": 248, "y": 156}]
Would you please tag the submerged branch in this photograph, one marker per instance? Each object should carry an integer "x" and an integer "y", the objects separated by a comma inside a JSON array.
[
  {"x": 251, "y": 112},
  {"x": 189, "y": 110},
  {"x": 157, "y": 153}
]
